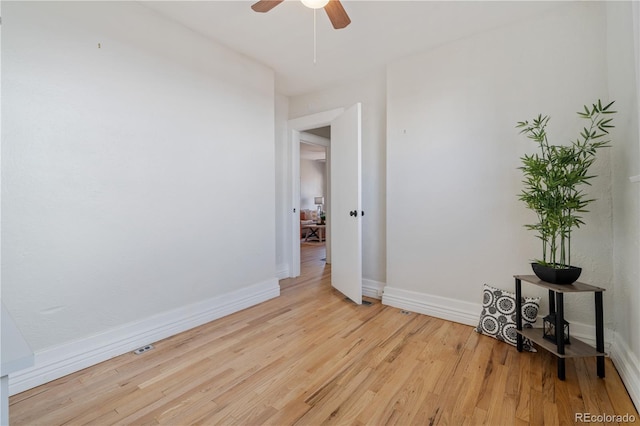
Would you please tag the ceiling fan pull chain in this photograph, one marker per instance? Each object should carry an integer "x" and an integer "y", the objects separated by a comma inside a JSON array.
[{"x": 314, "y": 37}]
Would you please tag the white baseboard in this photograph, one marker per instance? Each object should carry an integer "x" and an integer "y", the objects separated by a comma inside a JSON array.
[
  {"x": 628, "y": 366},
  {"x": 435, "y": 306},
  {"x": 587, "y": 333},
  {"x": 59, "y": 361},
  {"x": 282, "y": 271},
  {"x": 371, "y": 288},
  {"x": 468, "y": 313}
]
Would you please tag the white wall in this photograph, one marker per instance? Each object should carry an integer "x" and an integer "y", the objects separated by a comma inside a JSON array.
[
  {"x": 312, "y": 182},
  {"x": 453, "y": 218},
  {"x": 127, "y": 189},
  {"x": 623, "y": 75},
  {"x": 370, "y": 90}
]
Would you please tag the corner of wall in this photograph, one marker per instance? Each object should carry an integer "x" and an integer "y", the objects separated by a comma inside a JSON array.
[{"x": 628, "y": 366}]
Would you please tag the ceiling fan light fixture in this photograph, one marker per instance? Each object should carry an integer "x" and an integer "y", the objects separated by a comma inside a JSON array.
[
  {"x": 315, "y": 4},
  {"x": 336, "y": 13}
]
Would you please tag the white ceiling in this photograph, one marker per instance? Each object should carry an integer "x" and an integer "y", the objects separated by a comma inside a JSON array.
[{"x": 380, "y": 32}]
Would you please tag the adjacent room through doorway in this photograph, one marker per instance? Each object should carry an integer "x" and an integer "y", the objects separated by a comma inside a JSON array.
[{"x": 314, "y": 194}]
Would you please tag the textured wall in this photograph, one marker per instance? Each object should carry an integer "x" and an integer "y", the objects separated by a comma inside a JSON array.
[
  {"x": 623, "y": 59},
  {"x": 453, "y": 218},
  {"x": 126, "y": 186}
]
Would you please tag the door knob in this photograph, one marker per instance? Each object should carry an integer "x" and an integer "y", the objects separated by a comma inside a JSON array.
[{"x": 353, "y": 213}]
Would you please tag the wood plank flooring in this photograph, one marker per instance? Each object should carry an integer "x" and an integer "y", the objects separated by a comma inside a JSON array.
[{"x": 309, "y": 357}]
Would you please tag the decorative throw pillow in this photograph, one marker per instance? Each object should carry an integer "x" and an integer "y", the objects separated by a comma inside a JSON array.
[{"x": 498, "y": 316}]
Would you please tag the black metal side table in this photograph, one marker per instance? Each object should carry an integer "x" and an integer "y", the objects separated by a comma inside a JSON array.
[{"x": 561, "y": 350}]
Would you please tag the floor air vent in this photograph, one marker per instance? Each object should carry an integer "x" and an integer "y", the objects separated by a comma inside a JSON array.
[{"x": 143, "y": 349}]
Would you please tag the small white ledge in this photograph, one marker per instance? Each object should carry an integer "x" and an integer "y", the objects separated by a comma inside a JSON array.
[
  {"x": 15, "y": 355},
  {"x": 635, "y": 178}
]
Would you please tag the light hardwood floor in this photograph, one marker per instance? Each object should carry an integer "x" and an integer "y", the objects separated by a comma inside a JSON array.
[{"x": 309, "y": 357}]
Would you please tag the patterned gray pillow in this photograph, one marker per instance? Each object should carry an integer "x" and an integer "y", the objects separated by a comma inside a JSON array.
[{"x": 498, "y": 316}]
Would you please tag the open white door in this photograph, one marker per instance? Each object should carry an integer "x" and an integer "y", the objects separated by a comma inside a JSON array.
[{"x": 345, "y": 214}]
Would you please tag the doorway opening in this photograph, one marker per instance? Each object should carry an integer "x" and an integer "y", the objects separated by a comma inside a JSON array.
[
  {"x": 343, "y": 202},
  {"x": 314, "y": 194},
  {"x": 306, "y": 130}
]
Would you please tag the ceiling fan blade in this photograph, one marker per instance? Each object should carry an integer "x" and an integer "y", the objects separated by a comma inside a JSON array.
[
  {"x": 337, "y": 14},
  {"x": 265, "y": 5}
]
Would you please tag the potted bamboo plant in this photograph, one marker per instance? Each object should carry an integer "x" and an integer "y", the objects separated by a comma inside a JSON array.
[{"x": 553, "y": 179}]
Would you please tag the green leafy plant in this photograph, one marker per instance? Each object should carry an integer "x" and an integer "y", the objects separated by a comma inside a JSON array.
[{"x": 553, "y": 179}]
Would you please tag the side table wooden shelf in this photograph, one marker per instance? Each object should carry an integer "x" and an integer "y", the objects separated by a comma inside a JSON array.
[{"x": 561, "y": 350}]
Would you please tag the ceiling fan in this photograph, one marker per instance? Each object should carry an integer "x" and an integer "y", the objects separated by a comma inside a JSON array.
[{"x": 335, "y": 11}]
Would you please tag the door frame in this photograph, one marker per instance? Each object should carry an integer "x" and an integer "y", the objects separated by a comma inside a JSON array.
[{"x": 295, "y": 127}]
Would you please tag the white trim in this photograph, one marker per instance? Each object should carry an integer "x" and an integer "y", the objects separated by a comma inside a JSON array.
[
  {"x": 328, "y": 238},
  {"x": 628, "y": 366},
  {"x": 294, "y": 185},
  {"x": 59, "y": 361},
  {"x": 468, "y": 313},
  {"x": 587, "y": 333},
  {"x": 282, "y": 271},
  {"x": 296, "y": 126},
  {"x": 373, "y": 289},
  {"x": 634, "y": 179},
  {"x": 320, "y": 119},
  {"x": 435, "y": 306}
]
